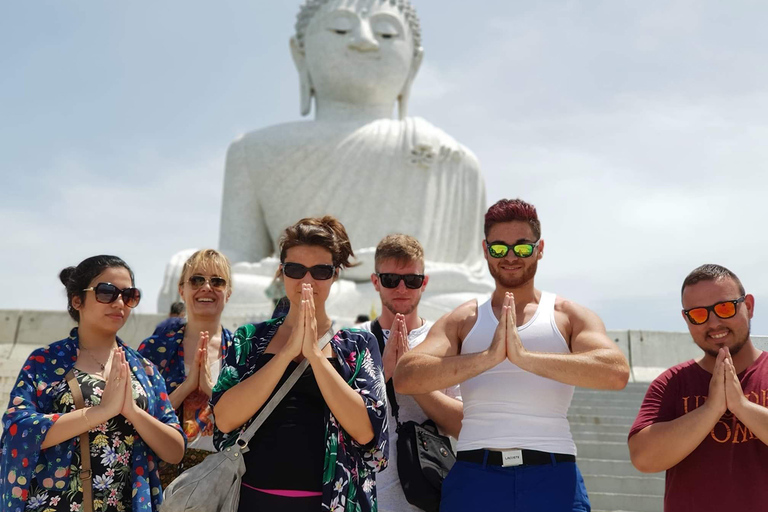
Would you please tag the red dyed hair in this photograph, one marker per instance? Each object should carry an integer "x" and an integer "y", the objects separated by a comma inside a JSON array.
[{"x": 509, "y": 210}]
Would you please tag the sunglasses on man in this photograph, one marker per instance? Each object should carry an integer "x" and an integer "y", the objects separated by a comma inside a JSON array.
[
  {"x": 501, "y": 249},
  {"x": 390, "y": 280},
  {"x": 107, "y": 293},
  {"x": 725, "y": 309},
  {"x": 318, "y": 272},
  {"x": 198, "y": 281}
]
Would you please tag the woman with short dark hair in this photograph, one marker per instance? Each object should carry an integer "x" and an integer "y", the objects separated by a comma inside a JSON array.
[{"x": 319, "y": 449}]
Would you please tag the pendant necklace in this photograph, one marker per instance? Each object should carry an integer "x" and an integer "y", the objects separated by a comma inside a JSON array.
[{"x": 88, "y": 353}]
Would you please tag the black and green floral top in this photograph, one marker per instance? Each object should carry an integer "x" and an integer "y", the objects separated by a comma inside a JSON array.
[
  {"x": 349, "y": 479},
  {"x": 110, "y": 444}
]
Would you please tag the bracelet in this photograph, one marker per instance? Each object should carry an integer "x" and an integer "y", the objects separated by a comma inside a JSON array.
[{"x": 87, "y": 423}]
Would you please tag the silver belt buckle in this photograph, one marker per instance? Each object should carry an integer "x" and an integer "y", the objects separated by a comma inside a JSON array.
[{"x": 511, "y": 458}]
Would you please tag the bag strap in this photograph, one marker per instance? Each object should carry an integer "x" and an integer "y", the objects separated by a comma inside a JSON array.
[
  {"x": 246, "y": 436},
  {"x": 85, "y": 448},
  {"x": 391, "y": 395}
]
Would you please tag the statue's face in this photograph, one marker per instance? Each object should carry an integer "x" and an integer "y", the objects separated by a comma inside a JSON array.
[{"x": 358, "y": 51}]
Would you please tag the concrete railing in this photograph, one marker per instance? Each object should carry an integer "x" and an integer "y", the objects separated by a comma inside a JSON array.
[
  {"x": 38, "y": 328},
  {"x": 649, "y": 352},
  {"x": 21, "y": 332}
]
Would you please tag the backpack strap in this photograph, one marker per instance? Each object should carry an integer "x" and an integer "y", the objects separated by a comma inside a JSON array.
[{"x": 86, "y": 473}]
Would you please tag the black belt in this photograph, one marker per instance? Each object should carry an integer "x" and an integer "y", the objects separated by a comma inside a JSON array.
[{"x": 530, "y": 457}]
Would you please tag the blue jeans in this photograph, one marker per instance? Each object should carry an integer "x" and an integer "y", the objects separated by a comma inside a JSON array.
[{"x": 556, "y": 487}]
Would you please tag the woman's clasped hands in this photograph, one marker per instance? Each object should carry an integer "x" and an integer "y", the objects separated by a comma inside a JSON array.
[
  {"x": 199, "y": 376},
  {"x": 117, "y": 397},
  {"x": 303, "y": 338}
]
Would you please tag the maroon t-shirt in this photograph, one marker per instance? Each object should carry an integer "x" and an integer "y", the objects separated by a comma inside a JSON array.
[{"x": 729, "y": 469}]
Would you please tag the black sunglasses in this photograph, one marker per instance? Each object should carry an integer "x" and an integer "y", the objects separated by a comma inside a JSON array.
[
  {"x": 217, "y": 283},
  {"x": 412, "y": 281},
  {"x": 318, "y": 272},
  {"x": 107, "y": 293},
  {"x": 501, "y": 249},
  {"x": 725, "y": 309}
]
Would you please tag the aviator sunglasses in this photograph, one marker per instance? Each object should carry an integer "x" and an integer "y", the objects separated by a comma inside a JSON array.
[
  {"x": 107, "y": 293},
  {"x": 318, "y": 272},
  {"x": 197, "y": 281},
  {"x": 412, "y": 281},
  {"x": 500, "y": 249},
  {"x": 725, "y": 309}
]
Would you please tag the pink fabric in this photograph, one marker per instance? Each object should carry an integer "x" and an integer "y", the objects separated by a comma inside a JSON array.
[{"x": 285, "y": 492}]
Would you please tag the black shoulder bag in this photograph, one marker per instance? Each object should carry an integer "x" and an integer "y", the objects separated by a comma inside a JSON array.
[{"x": 424, "y": 457}]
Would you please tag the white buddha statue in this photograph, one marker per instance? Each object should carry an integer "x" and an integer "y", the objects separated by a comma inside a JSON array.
[{"x": 356, "y": 59}]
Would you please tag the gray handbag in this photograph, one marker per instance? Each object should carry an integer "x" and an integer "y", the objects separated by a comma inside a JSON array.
[{"x": 214, "y": 484}]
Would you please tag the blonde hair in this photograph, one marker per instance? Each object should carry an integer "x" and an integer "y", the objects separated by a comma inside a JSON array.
[
  {"x": 209, "y": 260},
  {"x": 399, "y": 247}
]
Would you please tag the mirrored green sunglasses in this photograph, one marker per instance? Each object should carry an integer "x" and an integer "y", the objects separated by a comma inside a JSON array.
[{"x": 500, "y": 249}]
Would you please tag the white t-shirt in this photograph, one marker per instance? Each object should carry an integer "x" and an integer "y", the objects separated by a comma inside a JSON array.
[{"x": 388, "y": 490}]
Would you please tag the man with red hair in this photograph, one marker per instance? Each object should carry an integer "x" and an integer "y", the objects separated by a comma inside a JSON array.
[{"x": 518, "y": 358}]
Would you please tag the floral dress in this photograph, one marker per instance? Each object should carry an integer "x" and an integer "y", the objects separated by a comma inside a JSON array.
[
  {"x": 349, "y": 480},
  {"x": 110, "y": 446},
  {"x": 32, "y": 478}
]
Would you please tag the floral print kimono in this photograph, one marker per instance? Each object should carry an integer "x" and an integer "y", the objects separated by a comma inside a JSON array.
[
  {"x": 166, "y": 351},
  {"x": 349, "y": 483},
  {"x": 37, "y": 401}
]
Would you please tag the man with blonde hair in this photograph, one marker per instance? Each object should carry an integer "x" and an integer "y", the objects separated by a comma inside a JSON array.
[{"x": 400, "y": 280}]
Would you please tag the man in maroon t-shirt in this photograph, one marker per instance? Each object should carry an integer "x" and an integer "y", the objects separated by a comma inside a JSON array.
[{"x": 705, "y": 421}]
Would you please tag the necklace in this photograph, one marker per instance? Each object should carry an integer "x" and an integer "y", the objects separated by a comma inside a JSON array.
[{"x": 88, "y": 353}]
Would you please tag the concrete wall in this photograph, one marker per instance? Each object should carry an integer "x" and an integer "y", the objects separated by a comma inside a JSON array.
[{"x": 21, "y": 332}]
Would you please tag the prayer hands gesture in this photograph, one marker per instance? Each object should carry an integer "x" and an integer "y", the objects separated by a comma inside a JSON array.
[
  {"x": 113, "y": 397},
  {"x": 130, "y": 409},
  {"x": 506, "y": 343},
  {"x": 293, "y": 347},
  {"x": 205, "y": 381},
  {"x": 309, "y": 348},
  {"x": 725, "y": 392},
  {"x": 199, "y": 376},
  {"x": 117, "y": 397},
  {"x": 396, "y": 346}
]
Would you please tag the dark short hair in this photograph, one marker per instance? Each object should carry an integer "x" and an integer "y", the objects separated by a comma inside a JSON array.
[
  {"x": 362, "y": 318},
  {"x": 711, "y": 272},
  {"x": 76, "y": 279},
  {"x": 509, "y": 210},
  {"x": 178, "y": 308},
  {"x": 326, "y": 232}
]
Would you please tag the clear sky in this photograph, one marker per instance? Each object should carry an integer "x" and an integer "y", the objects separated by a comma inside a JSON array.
[{"x": 638, "y": 129}]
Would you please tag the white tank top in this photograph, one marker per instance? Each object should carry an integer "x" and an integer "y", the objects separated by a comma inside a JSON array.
[{"x": 506, "y": 407}]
